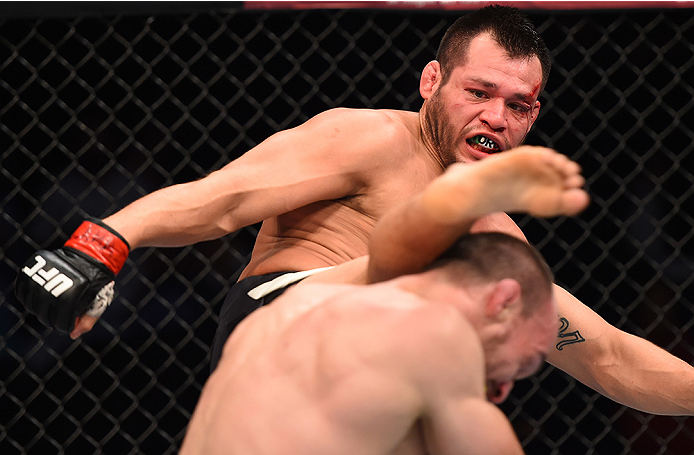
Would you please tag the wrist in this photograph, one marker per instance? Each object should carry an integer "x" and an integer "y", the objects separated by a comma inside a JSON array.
[{"x": 99, "y": 241}]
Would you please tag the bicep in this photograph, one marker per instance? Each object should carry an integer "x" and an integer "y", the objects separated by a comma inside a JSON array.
[
  {"x": 335, "y": 154},
  {"x": 469, "y": 426},
  {"x": 583, "y": 340},
  {"x": 350, "y": 272}
]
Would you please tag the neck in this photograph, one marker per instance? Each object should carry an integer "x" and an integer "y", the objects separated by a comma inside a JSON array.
[
  {"x": 434, "y": 287},
  {"x": 426, "y": 138}
]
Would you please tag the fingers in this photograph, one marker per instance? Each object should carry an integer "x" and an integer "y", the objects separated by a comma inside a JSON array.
[{"x": 83, "y": 324}]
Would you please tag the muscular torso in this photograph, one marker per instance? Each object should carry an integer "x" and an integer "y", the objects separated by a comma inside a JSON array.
[
  {"x": 327, "y": 233},
  {"x": 303, "y": 376},
  {"x": 321, "y": 234}
]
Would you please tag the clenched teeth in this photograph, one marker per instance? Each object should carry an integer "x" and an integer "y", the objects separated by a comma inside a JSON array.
[{"x": 485, "y": 143}]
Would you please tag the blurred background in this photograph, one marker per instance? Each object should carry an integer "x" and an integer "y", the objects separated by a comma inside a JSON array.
[{"x": 102, "y": 103}]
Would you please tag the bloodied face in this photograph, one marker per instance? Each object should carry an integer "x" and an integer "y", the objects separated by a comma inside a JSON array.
[{"x": 485, "y": 106}]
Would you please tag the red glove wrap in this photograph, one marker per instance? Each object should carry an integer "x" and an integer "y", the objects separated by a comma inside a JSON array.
[{"x": 101, "y": 243}]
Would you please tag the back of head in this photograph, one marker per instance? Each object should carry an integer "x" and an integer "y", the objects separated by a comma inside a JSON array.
[
  {"x": 511, "y": 30},
  {"x": 492, "y": 257}
]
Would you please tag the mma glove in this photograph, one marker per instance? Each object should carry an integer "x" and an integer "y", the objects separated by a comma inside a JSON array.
[{"x": 57, "y": 286}]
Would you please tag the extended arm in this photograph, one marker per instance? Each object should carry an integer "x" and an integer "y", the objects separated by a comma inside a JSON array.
[
  {"x": 621, "y": 366},
  {"x": 290, "y": 169},
  {"x": 333, "y": 155}
]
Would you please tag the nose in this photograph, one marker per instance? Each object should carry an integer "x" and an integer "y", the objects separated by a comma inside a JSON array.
[
  {"x": 497, "y": 392},
  {"x": 494, "y": 114}
]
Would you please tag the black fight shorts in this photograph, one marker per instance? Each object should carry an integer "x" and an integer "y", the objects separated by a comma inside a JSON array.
[{"x": 239, "y": 304}]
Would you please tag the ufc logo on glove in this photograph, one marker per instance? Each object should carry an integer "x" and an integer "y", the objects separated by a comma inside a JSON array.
[
  {"x": 52, "y": 280},
  {"x": 60, "y": 285}
]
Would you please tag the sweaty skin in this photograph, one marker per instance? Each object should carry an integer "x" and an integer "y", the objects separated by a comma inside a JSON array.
[
  {"x": 397, "y": 367},
  {"x": 362, "y": 162},
  {"x": 327, "y": 233},
  {"x": 369, "y": 160},
  {"x": 528, "y": 179},
  {"x": 300, "y": 379},
  {"x": 494, "y": 98}
]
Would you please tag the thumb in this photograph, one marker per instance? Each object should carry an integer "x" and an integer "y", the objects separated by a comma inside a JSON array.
[{"x": 83, "y": 324}]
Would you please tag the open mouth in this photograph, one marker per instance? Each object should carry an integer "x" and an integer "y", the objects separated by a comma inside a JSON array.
[{"x": 484, "y": 144}]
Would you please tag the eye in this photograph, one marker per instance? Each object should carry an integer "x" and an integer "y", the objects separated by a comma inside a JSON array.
[
  {"x": 522, "y": 108},
  {"x": 479, "y": 94}
]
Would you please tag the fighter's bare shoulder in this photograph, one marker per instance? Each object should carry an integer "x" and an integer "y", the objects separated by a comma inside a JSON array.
[
  {"x": 367, "y": 121},
  {"x": 365, "y": 129},
  {"x": 446, "y": 349}
]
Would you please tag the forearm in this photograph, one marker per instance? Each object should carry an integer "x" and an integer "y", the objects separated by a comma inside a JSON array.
[
  {"x": 648, "y": 378},
  {"x": 621, "y": 366},
  {"x": 178, "y": 215}
]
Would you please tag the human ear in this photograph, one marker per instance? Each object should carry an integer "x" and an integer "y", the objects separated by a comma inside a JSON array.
[
  {"x": 430, "y": 79},
  {"x": 505, "y": 295},
  {"x": 534, "y": 113}
]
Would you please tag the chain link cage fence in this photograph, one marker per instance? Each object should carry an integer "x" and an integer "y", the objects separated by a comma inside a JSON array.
[{"x": 99, "y": 108}]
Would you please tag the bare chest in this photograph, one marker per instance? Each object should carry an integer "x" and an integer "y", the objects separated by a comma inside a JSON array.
[{"x": 327, "y": 233}]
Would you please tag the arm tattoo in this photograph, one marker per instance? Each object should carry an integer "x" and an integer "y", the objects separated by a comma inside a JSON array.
[{"x": 567, "y": 337}]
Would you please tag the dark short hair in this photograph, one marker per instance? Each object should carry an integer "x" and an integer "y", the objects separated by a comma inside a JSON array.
[
  {"x": 493, "y": 256},
  {"x": 510, "y": 28}
]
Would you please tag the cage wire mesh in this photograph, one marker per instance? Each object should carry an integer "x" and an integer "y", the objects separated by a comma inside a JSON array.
[{"x": 98, "y": 110}]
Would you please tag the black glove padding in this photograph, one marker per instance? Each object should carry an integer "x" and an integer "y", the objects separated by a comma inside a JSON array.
[{"x": 60, "y": 285}]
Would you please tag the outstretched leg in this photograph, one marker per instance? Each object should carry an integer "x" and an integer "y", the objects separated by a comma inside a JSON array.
[{"x": 533, "y": 180}]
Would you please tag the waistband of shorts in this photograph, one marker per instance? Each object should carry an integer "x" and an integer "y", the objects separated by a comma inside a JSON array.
[{"x": 281, "y": 281}]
